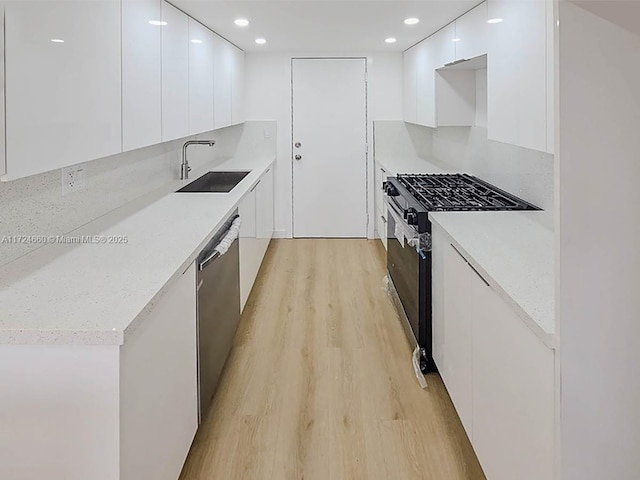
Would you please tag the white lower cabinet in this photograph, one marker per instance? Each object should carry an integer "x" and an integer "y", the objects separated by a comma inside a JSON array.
[
  {"x": 499, "y": 374},
  {"x": 159, "y": 387},
  {"x": 380, "y": 209},
  {"x": 256, "y": 211},
  {"x": 457, "y": 371},
  {"x": 513, "y": 392}
]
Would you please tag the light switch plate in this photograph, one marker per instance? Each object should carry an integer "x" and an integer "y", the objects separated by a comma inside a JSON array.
[{"x": 74, "y": 178}]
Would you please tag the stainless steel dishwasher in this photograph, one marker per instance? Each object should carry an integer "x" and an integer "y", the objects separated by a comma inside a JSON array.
[{"x": 218, "y": 308}]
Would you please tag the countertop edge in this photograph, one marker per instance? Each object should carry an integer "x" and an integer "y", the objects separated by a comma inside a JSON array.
[{"x": 548, "y": 338}]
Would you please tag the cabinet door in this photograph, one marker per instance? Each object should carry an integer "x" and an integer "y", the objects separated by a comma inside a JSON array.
[
  {"x": 201, "y": 78},
  {"x": 249, "y": 246},
  {"x": 471, "y": 33},
  {"x": 409, "y": 85},
  {"x": 159, "y": 387},
  {"x": 175, "y": 73},
  {"x": 265, "y": 208},
  {"x": 63, "y": 84},
  {"x": 443, "y": 45},
  {"x": 222, "y": 65},
  {"x": 513, "y": 399},
  {"x": 517, "y": 69},
  {"x": 457, "y": 370},
  {"x": 237, "y": 86},
  {"x": 425, "y": 83},
  {"x": 141, "y": 73}
]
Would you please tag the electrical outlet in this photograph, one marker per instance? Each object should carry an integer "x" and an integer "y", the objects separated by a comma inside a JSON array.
[{"x": 74, "y": 179}]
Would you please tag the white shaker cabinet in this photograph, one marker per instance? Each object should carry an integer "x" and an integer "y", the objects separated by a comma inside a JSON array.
[
  {"x": 409, "y": 92},
  {"x": 513, "y": 393},
  {"x": 175, "y": 73},
  {"x": 517, "y": 73},
  {"x": 201, "y": 78},
  {"x": 222, "y": 64},
  {"x": 471, "y": 33},
  {"x": 237, "y": 86},
  {"x": 63, "y": 84},
  {"x": 141, "y": 73}
]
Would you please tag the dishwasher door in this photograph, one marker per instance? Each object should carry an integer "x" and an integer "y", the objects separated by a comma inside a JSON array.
[{"x": 218, "y": 319}]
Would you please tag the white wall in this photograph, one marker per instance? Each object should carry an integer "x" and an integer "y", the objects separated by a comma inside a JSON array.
[
  {"x": 268, "y": 97},
  {"x": 599, "y": 258}
]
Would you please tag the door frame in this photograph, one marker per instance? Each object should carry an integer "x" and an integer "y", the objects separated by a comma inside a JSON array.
[{"x": 366, "y": 125}]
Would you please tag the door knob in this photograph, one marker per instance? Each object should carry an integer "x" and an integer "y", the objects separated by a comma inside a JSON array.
[
  {"x": 298, "y": 157},
  {"x": 297, "y": 144}
]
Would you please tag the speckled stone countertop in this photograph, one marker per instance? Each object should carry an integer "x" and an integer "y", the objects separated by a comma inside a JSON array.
[
  {"x": 400, "y": 164},
  {"x": 97, "y": 294},
  {"x": 515, "y": 254}
]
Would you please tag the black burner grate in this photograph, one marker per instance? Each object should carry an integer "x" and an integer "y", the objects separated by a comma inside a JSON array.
[{"x": 442, "y": 192}]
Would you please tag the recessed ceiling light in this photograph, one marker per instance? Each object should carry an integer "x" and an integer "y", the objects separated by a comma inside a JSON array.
[
  {"x": 494, "y": 20},
  {"x": 158, "y": 23},
  {"x": 411, "y": 21},
  {"x": 390, "y": 40},
  {"x": 57, "y": 40},
  {"x": 241, "y": 22},
  {"x": 456, "y": 39},
  {"x": 260, "y": 41},
  {"x": 195, "y": 40}
]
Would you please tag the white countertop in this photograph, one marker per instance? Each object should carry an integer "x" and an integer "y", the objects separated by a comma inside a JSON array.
[
  {"x": 515, "y": 254},
  {"x": 398, "y": 164},
  {"x": 97, "y": 294}
]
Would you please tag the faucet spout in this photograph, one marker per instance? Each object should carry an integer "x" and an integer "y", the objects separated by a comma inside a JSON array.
[{"x": 184, "y": 166}]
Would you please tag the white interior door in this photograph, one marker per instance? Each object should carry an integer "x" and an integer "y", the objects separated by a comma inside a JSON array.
[{"x": 329, "y": 147}]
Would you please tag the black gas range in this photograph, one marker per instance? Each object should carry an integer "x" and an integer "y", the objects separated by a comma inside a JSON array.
[{"x": 409, "y": 199}]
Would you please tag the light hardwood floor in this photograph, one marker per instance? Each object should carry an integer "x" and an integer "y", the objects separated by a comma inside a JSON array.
[{"x": 319, "y": 384}]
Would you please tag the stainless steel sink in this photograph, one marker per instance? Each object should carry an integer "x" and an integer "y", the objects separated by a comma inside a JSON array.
[{"x": 218, "y": 182}]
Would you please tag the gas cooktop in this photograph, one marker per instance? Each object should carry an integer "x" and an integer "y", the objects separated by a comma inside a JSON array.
[{"x": 444, "y": 192}]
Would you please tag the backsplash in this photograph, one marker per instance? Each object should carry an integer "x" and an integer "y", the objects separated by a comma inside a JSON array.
[
  {"x": 526, "y": 173},
  {"x": 35, "y": 205}
]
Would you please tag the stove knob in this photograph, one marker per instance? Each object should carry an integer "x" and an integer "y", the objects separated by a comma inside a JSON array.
[
  {"x": 389, "y": 189},
  {"x": 412, "y": 217}
]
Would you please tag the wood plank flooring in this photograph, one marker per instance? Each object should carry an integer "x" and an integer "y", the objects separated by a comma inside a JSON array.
[{"x": 319, "y": 384}]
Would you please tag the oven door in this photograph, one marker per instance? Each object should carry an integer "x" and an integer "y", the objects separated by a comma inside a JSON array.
[
  {"x": 410, "y": 273},
  {"x": 403, "y": 264}
]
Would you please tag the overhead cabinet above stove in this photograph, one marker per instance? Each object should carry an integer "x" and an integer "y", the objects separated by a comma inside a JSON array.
[{"x": 497, "y": 75}]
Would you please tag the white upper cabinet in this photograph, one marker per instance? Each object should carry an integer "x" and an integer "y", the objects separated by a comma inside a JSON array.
[
  {"x": 432, "y": 53},
  {"x": 471, "y": 33},
  {"x": 517, "y": 73},
  {"x": 141, "y": 73},
  {"x": 425, "y": 84},
  {"x": 222, "y": 64},
  {"x": 201, "y": 78},
  {"x": 443, "y": 45},
  {"x": 237, "y": 86},
  {"x": 63, "y": 84},
  {"x": 175, "y": 73},
  {"x": 409, "y": 94}
]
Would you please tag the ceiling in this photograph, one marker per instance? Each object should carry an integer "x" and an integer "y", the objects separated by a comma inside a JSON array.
[{"x": 325, "y": 26}]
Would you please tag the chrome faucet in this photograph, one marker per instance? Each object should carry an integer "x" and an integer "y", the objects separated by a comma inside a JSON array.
[{"x": 184, "y": 166}]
